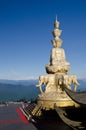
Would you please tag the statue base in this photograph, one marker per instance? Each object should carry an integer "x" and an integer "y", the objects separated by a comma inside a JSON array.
[{"x": 49, "y": 99}]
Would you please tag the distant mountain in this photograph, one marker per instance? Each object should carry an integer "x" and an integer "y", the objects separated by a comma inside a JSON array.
[
  {"x": 82, "y": 83},
  {"x": 14, "y": 91},
  {"x": 82, "y": 86},
  {"x": 19, "y": 82}
]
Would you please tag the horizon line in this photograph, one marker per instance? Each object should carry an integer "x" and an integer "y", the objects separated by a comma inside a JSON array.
[{"x": 36, "y": 78}]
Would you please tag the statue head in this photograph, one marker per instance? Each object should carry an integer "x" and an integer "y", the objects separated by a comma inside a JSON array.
[{"x": 56, "y": 32}]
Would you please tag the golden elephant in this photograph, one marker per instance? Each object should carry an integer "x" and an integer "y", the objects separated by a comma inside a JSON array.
[
  {"x": 69, "y": 80},
  {"x": 48, "y": 80}
]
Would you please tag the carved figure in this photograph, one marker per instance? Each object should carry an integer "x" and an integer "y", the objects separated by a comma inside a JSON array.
[
  {"x": 74, "y": 81},
  {"x": 42, "y": 80},
  {"x": 69, "y": 80},
  {"x": 49, "y": 80}
]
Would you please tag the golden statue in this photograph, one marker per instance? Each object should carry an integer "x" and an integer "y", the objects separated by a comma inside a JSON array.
[{"x": 56, "y": 77}]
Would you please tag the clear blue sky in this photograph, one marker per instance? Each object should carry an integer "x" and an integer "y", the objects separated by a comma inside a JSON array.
[{"x": 26, "y": 33}]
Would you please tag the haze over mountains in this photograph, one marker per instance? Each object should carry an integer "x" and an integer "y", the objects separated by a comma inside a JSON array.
[
  {"x": 19, "y": 82},
  {"x": 33, "y": 82}
]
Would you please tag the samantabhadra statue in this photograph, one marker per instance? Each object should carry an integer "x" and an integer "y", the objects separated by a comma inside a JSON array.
[{"x": 57, "y": 76}]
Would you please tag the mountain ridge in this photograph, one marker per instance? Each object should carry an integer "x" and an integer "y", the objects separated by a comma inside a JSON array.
[
  {"x": 33, "y": 82},
  {"x": 19, "y": 82}
]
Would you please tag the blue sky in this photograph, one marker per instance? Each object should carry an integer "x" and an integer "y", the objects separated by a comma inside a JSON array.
[{"x": 26, "y": 32}]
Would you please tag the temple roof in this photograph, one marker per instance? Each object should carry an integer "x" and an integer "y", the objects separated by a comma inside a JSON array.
[{"x": 79, "y": 97}]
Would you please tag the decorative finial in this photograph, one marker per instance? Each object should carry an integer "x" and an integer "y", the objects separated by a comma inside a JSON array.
[{"x": 56, "y": 25}]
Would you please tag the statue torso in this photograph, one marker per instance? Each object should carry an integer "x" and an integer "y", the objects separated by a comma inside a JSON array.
[{"x": 57, "y": 55}]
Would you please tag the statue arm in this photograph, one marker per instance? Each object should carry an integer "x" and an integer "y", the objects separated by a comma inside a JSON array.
[{"x": 52, "y": 56}]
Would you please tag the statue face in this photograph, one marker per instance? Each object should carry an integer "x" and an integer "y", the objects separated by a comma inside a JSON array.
[{"x": 56, "y": 33}]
